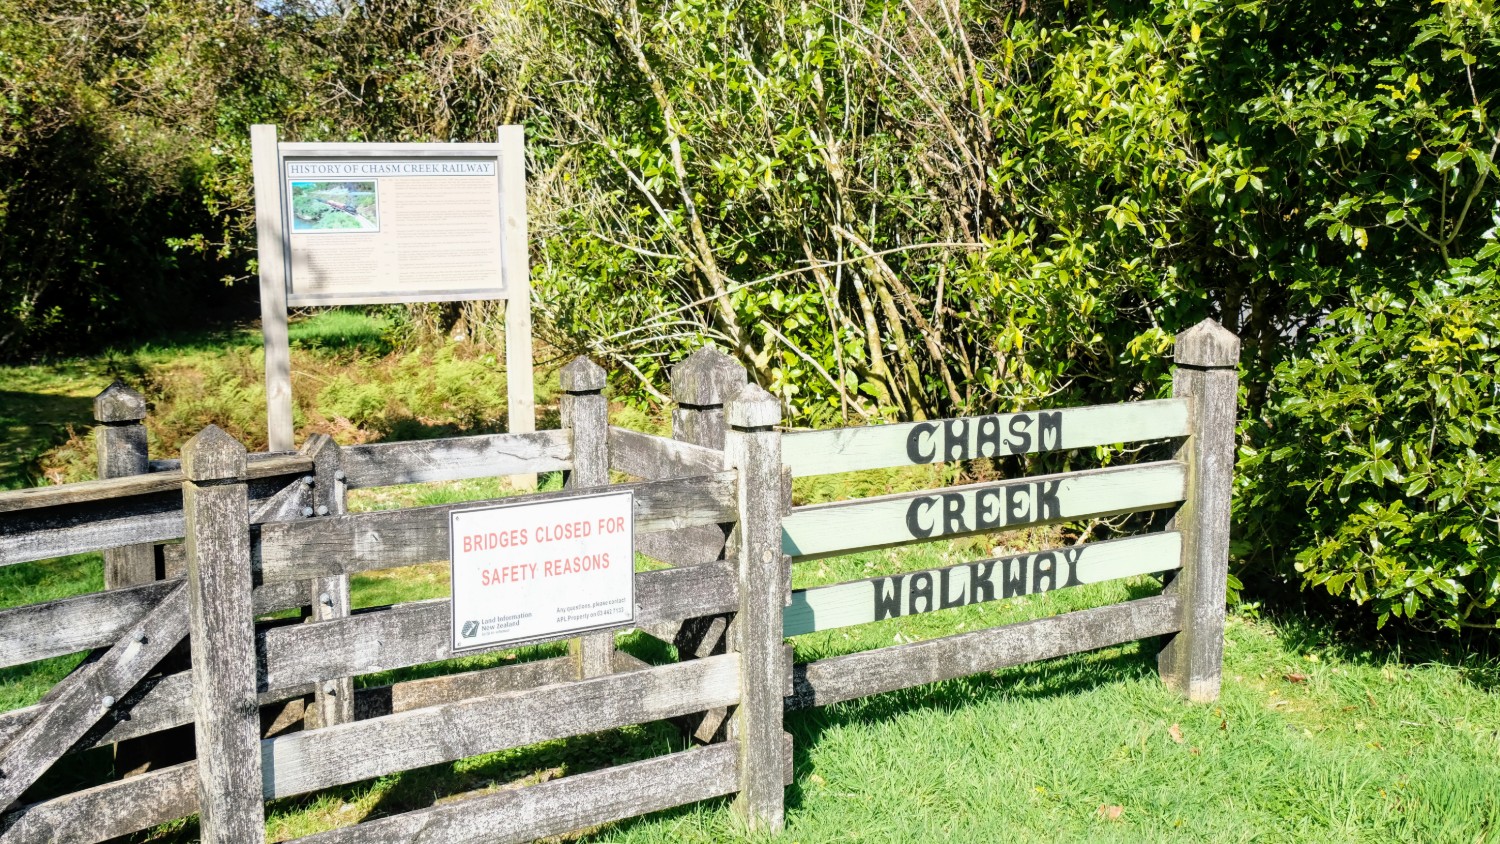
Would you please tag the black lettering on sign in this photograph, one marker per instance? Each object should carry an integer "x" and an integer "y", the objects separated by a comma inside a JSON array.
[
  {"x": 1047, "y": 506},
  {"x": 987, "y": 507},
  {"x": 919, "y": 437},
  {"x": 956, "y": 436},
  {"x": 1029, "y": 574},
  {"x": 987, "y": 442},
  {"x": 994, "y": 508},
  {"x": 1043, "y": 571},
  {"x": 914, "y": 512},
  {"x": 1013, "y": 577},
  {"x": 953, "y": 513},
  {"x": 1020, "y": 433},
  {"x": 887, "y": 597},
  {"x": 1071, "y": 555},
  {"x": 1050, "y": 435},
  {"x": 944, "y": 599},
  {"x": 1017, "y": 503},
  {"x": 981, "y": 588},
  {"x": 921, "y": 590},
  {"x": 983, "y": 436}
]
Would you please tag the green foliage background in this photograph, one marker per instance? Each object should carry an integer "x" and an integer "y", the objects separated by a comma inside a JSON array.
[{"x": 887, "y": 209}]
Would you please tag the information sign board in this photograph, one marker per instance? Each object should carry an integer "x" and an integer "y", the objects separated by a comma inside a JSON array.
[
  {"x": 393, "y": 228},
  {"x": 534, "y": 570},
  {"x": 379, "y": 223}
]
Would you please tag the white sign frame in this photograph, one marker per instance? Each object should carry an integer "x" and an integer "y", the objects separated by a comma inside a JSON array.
[
  {"x": 554, "y": 633},
  {"x": 269, "y": 159}
]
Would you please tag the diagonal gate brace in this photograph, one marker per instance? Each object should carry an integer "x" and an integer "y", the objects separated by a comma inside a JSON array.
[{"x": 80, "y": 700}]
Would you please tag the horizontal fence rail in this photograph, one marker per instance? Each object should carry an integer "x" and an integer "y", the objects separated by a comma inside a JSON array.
[
  {"x": 419, "y": 632},
  {"x": 842, "y": 678},
  {"x": 946, "y": 440},
  {"x": 391, "y": 538},
  {"x": 302, "y": 762},
  {"x": 97, "y": 525},
  {"x": 263, "y": 465},
  {"x": 826, "y": 529},
  {"x": 94, "y": 620},
  {"x": 160, "y": 703},
  {"x": 456, "y": 458},
  {"x": 645, "y": 456},
  {"x": 309, "y": 761},
  {"x": 579, "y": 801},
  {"x": 995, "y": 579}
]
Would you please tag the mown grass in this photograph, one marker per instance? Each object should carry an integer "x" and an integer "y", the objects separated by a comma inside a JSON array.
[
  {"x": 347, "y": 381},
  {"x": 1313, "y": 739}
]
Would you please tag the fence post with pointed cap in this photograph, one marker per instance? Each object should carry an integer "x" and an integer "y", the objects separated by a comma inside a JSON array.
[
  {"x": 752, "y": 446},
  {"x": 120, "y": 443},
  {"x": 1191, "y": 661},
  {"x": 221, "y": 623},
  {"x": 701, "y": 383},
  {"x": 585, "y": 415}
]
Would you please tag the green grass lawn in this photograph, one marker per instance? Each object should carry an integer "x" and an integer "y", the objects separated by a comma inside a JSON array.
[{"x": 1314, "y": 739}]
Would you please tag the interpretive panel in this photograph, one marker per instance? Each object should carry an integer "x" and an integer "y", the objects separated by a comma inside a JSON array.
[
  {"x": 392, "y": 229},
  {"x": 528, "y": 571}
]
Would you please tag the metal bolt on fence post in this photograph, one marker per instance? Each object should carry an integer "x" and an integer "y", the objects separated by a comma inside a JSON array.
[
  {"x": 339, "y": 475},
  {"x": 109, "y": 701},
  {"x": 307, "y": 480},
  {"x": 322, "y": 509},
  {"x": 307, "y": 512}
]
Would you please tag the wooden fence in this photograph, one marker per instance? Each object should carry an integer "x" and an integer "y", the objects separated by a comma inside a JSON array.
[{"x": 266, "y": 532}]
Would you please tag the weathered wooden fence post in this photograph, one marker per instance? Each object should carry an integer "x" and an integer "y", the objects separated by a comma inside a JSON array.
[
  {"x": 221, "y": 624},
  {"x": 585, "y": 415},
  {"x": 1191, "y": 661},
  {"x": 752, "y": 445},
  {"x": 333, "y": 701},
  {"x": 120, "y": 442},
  {"x": 701, "y": 384}
]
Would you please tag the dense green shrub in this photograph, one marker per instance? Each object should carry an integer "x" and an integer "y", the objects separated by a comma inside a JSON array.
[
  {"x": 1376, "y": 474},
  {"x": 884, "y": 208}
]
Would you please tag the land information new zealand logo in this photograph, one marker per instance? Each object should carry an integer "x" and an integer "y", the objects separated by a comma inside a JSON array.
[{"x": 529, "y": 571}]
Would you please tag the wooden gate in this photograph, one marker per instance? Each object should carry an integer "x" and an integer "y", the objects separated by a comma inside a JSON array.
[{"x": 268, "y": 532}]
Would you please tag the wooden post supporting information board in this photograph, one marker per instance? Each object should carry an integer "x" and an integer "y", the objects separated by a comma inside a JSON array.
[
  {"x": 270, "y": 251},
  {"x": 281, "y": 286},
  {"x": 1192, "y": 660},
  {"x": 585, "y": 415},
  {"x": 221, "y": 621},
  {"x": 520, "y": 387},
  {"x": 753, "y": 447}
]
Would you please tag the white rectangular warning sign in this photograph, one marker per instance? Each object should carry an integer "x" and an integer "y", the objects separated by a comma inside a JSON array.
[{"x": 531, "y": 570}]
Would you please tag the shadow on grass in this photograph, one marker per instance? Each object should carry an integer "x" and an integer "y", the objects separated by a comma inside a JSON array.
[
  {"x": 406, "y": 428},
  {"x": 1055, "y": 678},
  {"x": 1313, "y": 623},
  {"x": 1061, "y": 677},
  {"x": 32, "y": 423}
]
